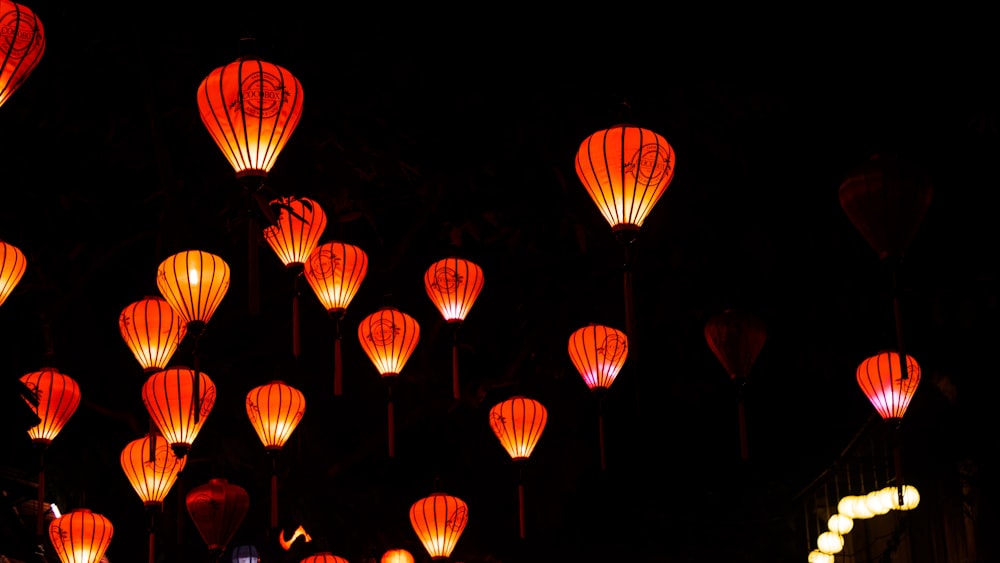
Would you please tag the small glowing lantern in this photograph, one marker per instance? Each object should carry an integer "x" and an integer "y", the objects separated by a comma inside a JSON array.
[
  {"x": 388, "y": 336},
  {"x": 439, "y": 521},
  {"x": 598, "y": 352},
  {"x": 58, "y": 396},
  {"x": 193, "y": 282},
  {"x": 22, "y": 43},
  {"x": 396, "y": 556},
  {"x": 170, "y": 400},
  {"x": 12, "y": 261},
  {"x": 846, "y": 506},
  {"x": 878, "y": 502},
  {"x": 829, "y": 542},
  {"x": 840, "y": 524},
  {"x": 245, "y": 554},
  {"x": 817, "y": 556},
  {"x": 81, "y": 536},
  {"x": 296, "y": 233},
  {"x": 152, "y": 330},
  {"x": 151, "y": 480},
  {"x": 888, "y": 390},
  {"x": 325, "y": 557},
  {"x": 275, "y": 409},
  {"x": 335, "y": 271},
  {"x": 518, "y": 423},
  {"x": 453, "y": 284},
  {"x": 910, "y": 496},
  {"x": 217, "y": 509}
]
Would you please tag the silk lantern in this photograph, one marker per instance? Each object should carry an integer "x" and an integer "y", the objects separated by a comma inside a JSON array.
[
  {"x": 169, "y": 396},
  {"x": 58, "y": 397},
  {"x": 12, "y": 262},
  {"x": 153, "y": 331},
  {"x": 453, "y": 284},
  {"x": 22, "y": 43},
  {"x": 518, "y": 423},
  {"x": 275, "y": 410},
  {"x": 151, "y": 480},
  {"x": 598, "y": 352},
  {"x": 396, "y": 556},
  {"x": 885, "y": 386},
  {"x": 439, "y": 521},
  {"x": 193, "y": 282},
  {"x": 389, "y": 336},
  {"x": 217, "y": 509},
  {"x": 324, "y": 557},
  {"x": 80, "y": 536}
]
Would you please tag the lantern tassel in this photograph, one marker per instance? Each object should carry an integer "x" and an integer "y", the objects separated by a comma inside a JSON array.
[
  {"x": 456, "y": 389},
  {"x": 391, "y": 419},
  {"x": 274, "y": 493},
  {"x": 296, "y": 338},
  {"x": 600, "y": 431},
  {"x": 520, "y": 500},
  {"x": 338, "y": 368},
  {"x": 744, "y": 448},
  {"x": 40, "y": 512},
  {"x": 253, "y": 259},
  {"x": 152, "y": 534}
]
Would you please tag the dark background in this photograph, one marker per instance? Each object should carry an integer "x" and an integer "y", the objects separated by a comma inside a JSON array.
[{"x": 425, "y": 135}]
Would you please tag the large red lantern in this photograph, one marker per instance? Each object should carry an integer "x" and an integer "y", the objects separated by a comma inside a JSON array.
[
  {"x": 396, "y": 556},
  {"x": 152, "y": 476},
  {"x": 81, "y": 536},
  {"x": 12, "y": 264},
  {"x": 389, "y": 336},
  {"x": 275, "y": 409},
  {"x": 888, "y": 389},
  {"x": 22, "y": 43},
  {"x": 58, "y": 396},
  {"x": 152, "y": 330},
  {"x": 439, "y": 521},
  {"x": 170, "y": 400},
  {"x": 518, "y": 423},
  {"x": 453, "y": 284},
  {"x": 324, "y": 557},
  {"x": 217, "y": 509},
  {"x": 335, "y": 271},
  {"x": 599, "y": 352},
  {"x": 193, "y": 282}
]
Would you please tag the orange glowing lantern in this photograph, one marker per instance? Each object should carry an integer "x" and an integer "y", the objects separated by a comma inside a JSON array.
[
  {"x": 296, "y": 233},
  {"x": 598, "y": 352},
  {"x": 335, "y": 271},
  {"x": 518, "y": 423},
  {"x": 81, "y": 536},
  {"x": 22, "y": 43},
  {"x": 453, "y": 284},
  {"x": 152, "y": 480},
  {"x": 12, "y": 262},
  {"x": 275, "y": 409},
  {"x": 217, "y": 509},
  {"x": 389, "y": 336},
  {"x": 439, "y": 521},
  {"x": 170, "y": 400},
  {"x": 193, "y": 282},
  {"x": 58, "y": 396},
  {"x": 889, "y": 390},
  {"x": 324, "y": 557},
  {"x": 152, "y": 330},
  {"x": 396, "y": 556}
]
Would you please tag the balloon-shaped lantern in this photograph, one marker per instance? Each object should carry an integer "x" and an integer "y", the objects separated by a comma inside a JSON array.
[
  {"x": 170, "y": 400},
  {"x": 12, "y": 262},
  {"x": 599, "y": 352},
  {"x": 151, "y": 480},
  {"x": 335, "y": 271},
  {"x": 275, "y": 409},
  {"x": 388, "y": 336},
  {"x": 736, "y": 338},
  {"x": 152, "y": 330},
  {"x": 625, "y": 170},
  {"x": 439, "y": 521},
  {"x": 324, "y": 557},
  {"x": 22, "y": 43},
  {"x": 396, "y": 556},
  {"x": 81, "y": 536},
  {"x": 518, "y": 423},
  {"x": 217, "y": 509},
  {"x": 58, "y": 397},
  {"x": 885, "y": 386},
  {"x": 453, "y": 284}
]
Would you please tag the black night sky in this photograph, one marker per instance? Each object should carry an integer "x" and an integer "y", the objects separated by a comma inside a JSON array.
[{"x": 423, "y": 139}]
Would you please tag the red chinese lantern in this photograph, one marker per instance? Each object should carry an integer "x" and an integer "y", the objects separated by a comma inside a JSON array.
[
  {"x": 12, "y": 262},
  {"x": 152, "y": 330},
  {"x": 296, "y": 233},
  {"x": 170, "y": 400},
  {"x": 888, "y": 389},
  {"x": 217, "y": 509},
  {"x": 81, "y": 536},
  {"x": 598, "y": 352},
  {"x": 335, "y": 271},
  {"x": 58, "y": 397},
  {"x": 193, "y": 282},
  {"x": 325, "y": 557},
  {"x": 453, "y": 284},
  {"x": 389, "y": 336},
  {"x": 152, "y": 480},
  {"x": 518, "y": 423},
  {"x": 736, "y": 338},
  {"x": 439, "y": 521},
  {"x": 396, "y": 556},
  {"x": 275, "y": 409},
  {"x": 22, "y": 43}
]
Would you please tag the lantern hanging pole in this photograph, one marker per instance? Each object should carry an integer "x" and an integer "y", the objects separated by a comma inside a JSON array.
[
  {"x": 338, "y": 366},
  {"x": 273, "y": 454},
  {"x": 741, "y": 408},
  {"x": 627, "y": 239},
  {"x": 898, "y": 313},
  {"x": 456, "y": 389},
  {"x": 391, "y": 419},
  {"x": 151, "y": 511},
  {"x": 40, "y": 512},
  {"x": 296, "y": 336},
  {"x": 520, "y": 497},
  {"x": 600, "y": 427},
  {"x": 253, "y": 256},
  {"x": 196, "y": 391}
]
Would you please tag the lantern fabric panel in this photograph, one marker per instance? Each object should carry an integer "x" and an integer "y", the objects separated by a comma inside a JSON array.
[
  {"x": 217, "y": 509},
  {"x": 324, "y": 557},
  {"x": 275, "y": 410},
  {"x": 438, "y": 521},
  {"x": 518, "y": 423},
  {"x": 153, "y": 331},
  {"x": 598, "y": 352},
  {"x": 193, "y": 282},
  {"x": 453, "y": 284},
  {"x": 625, "y": 169},
  {"x": 169, "y": 399},
  {"x": 81, "y": 536},
  {"x": 58, "y": 397},
  {"x": 736, "y": 338},
  {"x": 22, "y": 43},
  {"x": 250, "y": 108},
  {"x": 389, "y": 336},
  {"x": 152, "y": 480},
  {"x": 296, "y": 233},
  {"x": 880, "y": 379},
  {"x": 396, "y": 556},
  {"x": 335, "y": 271},
  {"x": 12, "y": 265}
]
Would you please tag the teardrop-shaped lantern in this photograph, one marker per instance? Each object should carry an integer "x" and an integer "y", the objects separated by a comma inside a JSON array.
[
  {"x": 736, "y": 338},
  {"x": 81, "y": 536},
  {"x": 12, "y": 263},
  {"x": 152, "y": 330},
  {"x": 335, "y": 271},
  {"x": 250, "y": 108},
  {"x": 829, "y": 542},
  {"x": 324, "y": 557},
  {"x": 396, "y": 556},
  {"x": 245, "y": 554},
  {"x": 58, "y": 397},
  {"x": 453, "y": 285},
  {"x": 296, "y": 233},
  {"x": 217, "y": 509},
  {"x": 886, "y": 199},
  {"x": 389, "y": 337},
  {"x": 170, "y": 401},
  {"x": 22, "y": 43},
  {"x": 439, "y": 521},
  {"x": 152, "y": 480},
  {"x": 275, "y": 409},
  {"x": 518, "y": 423},
  {"x": 625, "y": 169},
  {"x": 193, "y": 282},
  {"x": 889, "y": 392},
  {"x": 598, "y": 352}
]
